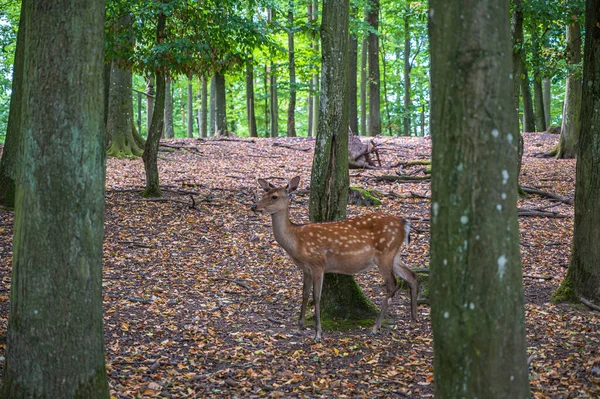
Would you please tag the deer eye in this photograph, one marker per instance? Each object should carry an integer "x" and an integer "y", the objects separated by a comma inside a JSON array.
[{"x": 274, "y": 197}]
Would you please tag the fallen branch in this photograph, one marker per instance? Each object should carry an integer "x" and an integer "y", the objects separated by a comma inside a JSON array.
[
  {"x": 130, "y": 298},
  {"x": 403, "y": 178},
  {"x": 532, "y": 190},
  {"x": 589, "y": 304},
  {"x": 538, "y": 277},
  {"x": 231, "y": 280},
  {"x": 291, "y": 147},
  {"x": 534, "y": 213}
]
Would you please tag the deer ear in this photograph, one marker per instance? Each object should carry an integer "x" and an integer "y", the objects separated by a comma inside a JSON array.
[
  {"x": 265, "y": 184},
  {"x": 293, "y": 184}
]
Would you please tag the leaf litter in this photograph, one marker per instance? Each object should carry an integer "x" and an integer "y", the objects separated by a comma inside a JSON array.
[{"x": 200, "y": 301}]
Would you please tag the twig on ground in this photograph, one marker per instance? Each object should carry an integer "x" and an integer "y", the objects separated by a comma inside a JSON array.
[
  {"x": 291, "y": 147},
  {"x": 241, "y": 283},
  {"x": 538, "y": 277},
  {"x": 403, "y": 178},
  {"x": 532, "y": 190},
  {"x": 534, "y": 213},
  {"x": 589, "y": 304}
]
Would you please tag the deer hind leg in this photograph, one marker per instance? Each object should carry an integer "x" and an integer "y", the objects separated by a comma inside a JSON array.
[
  {"x": 411, "y": 278},
  {"x": 391, "y": 287},
  {"x": 317, "y": 287},
  {"x": 307, "y": 283}
]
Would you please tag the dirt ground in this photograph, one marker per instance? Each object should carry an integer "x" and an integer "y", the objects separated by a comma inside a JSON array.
[{"x": 200, "y": 301}]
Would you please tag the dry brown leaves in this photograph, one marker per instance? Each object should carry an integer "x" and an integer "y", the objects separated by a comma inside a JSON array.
[{"x": 201, "y": 302}]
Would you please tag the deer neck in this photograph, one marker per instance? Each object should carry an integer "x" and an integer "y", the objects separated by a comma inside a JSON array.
[{"x": 283, "y": 230}]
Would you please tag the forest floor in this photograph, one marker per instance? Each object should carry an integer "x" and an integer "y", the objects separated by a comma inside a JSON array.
[{"x": 200, "y": 301}]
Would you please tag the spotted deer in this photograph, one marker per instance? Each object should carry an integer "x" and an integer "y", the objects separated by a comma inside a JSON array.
[{"x": 349, "y": 246}]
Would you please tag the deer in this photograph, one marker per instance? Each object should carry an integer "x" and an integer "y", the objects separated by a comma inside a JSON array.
[{"x": 349, "y": 246}]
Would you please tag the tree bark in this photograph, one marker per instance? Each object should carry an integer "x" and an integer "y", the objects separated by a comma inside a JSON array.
[
  {"x": 352, "y": 81},
  {"x": 547, "y": 96},
  {"x": 169, "y": 130},
  {"x": 583, "y": 275},
  {"x": 220, "y": 105},
  {"x": 385, "y": 92},
  {"x": 374, "y": 87},
  {"x": 407, "y": 67},
  {"x": 204, "y": 108},
  {"x": 250, "y": 111},
  {"x": 315, "y": 79},
  {"x": 528, "y": 115},
  {"x": 363, "y": 84},
  {"x": 150, "y": 155},
  {"x": 476, "y": 286},
  {"x": 10, "y": 153},
  {"x": 119, "y": 124},
  {"x": 330, "y": 175},
  {"x": 517, "y": 62},
  {"x": 291, "y": 117},
  {"x": 150, "y": 102},
  {"x": 309, "y": 99},
  {"x": 190, "y": 110},
  {"x": 212, "y": 128},
  {"x": 571, "y": 120},
  {"x": 55, "y": 337},
  {"x": 538, "y": 95}
]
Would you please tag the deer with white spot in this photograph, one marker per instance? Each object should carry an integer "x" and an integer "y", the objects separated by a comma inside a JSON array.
[{"x": 348, "y": 246}]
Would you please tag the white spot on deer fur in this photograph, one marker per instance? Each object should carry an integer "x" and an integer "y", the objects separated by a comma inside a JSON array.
[
  {"x": 382, "y": 239},
  {"x": 446, "y": 315},
  {"x": 504, "y": 176},
  {"x": 464, "y": 219},
  {"x": 495, "y": 133},
  {"x": 503, "y": 196},
  {"x": 501, "y": 266},
  {"x": 499, "y": 207},
  {"x": 311, "y": 234}
]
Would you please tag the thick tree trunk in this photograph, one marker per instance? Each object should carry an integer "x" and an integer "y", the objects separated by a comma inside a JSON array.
[
  {"x": 374, "y": 88},
  {"x": 291, "y": 117},
  {"x": 329, "y": 179},
  {"x": 55, "y": 337},
  {"x": 212, "y": 127},
  {"x": 476, "y": 276},
  {"x": 583, "y": 276},
  {"x": 517, "y": 62},
  {"x": 150, "y": 156},
  {"x": 190, "y": 110},
  {"x": 309, "y": 99},
  {"x": 250, "y": 111},
  {"x": 315, "y": 79},
  {"x": 169, "y": 130},
  {"x": 10, "y": 153},
  {"x": 407, "y": 67},
  {"x": 352, "y": 84},
  {"x": 220, "y": 104},
  {"x": 547, "y": 96},
  {"x": 363, "y": 86},
  {"x": 204, "y": 108},
  {"x": 571, "y": 120}
]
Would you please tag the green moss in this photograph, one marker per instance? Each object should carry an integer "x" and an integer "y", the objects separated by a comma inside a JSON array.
[
  {"x": 363, "y": 197},
  {"x": 565, "y": 291}
]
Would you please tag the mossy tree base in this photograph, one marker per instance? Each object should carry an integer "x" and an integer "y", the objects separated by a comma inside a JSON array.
[
  {"x": 565, "y": 291},
  {"x": 363, "y": 197},
  {"x": 126, "y": 145},
  {"x": 342, "y": 299}
]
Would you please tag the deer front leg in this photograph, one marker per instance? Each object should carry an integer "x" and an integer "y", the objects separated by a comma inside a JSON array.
[
  {"x": 391, "y": 287},
  {"x": 317, "y": 287},
  {"x": 306, "y": 287}
]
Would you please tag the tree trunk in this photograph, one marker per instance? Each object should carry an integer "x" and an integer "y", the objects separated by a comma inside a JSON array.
[
  {"x": 190, "y": 110},
  {"x": 547, "y": 96},
  {"x": 316, "y": 96},
  {"x": 55, "y": 336},
  {"x": 274, "y": 109},
  {"x": 407, "y": 67},
  {"x": 352, "y": 84},
  {"x": 106, "y": 77},
  {"x": 119, "y": 122},
  {"x": 150, "y": 102},
  {"x": 310, "y": 99},
  {"x": 220, "y": 105},
  {"x": 517, "y": 62},
  {"x": 169, "y": 130},
  {"x": 250, "y": 112},
  {"x": 363, "y": 84},
  {"x": 540, "y": 118},
  {"x": 528, "y": 115},
  {"x": 151, "y": 151},
  {"x": 204, "y": 108},
  {"x": 266, "y": 97},
  {"x": 212, "y": 128},
  {"x": 291, "y": 119},
  {"x": 476, "y": 285},
  {"x": 329, "y": 179},
  {"x": 10, "y": 153},
  {"x": 571, "y": 120},
  {"x": 374, "y": 89},
  {"x": 583, "y": 276},
  {"x": 385, "y": 96}
]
